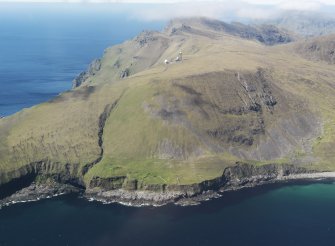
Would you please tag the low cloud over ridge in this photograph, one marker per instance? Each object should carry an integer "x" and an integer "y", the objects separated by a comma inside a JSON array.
[{"x": 152, "y": 10}]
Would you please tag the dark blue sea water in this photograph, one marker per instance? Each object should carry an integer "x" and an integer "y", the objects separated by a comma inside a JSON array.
[
  {"x": 272, "y": 215},
  {"x": 43, "y": 47}
]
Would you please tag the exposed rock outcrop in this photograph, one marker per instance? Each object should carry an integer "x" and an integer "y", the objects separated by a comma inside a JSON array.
[
  {"x": 236, "y": 177},
  {"x": 267, "y": 34},
  {"x": 36, "y": 191},
  {"x": 92, "y": 69},
  {"x": 132, "y": 192},
  {"x": 125, "y": 73},
  {"x": 318, "y": 49}
]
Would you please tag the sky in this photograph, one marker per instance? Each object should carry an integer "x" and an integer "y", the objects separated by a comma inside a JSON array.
[{"x": 155, "y": 10}]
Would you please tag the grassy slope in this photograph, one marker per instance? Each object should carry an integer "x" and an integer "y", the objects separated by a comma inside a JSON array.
[
  {"x": 313, "y": 81},
  {"x": 142, "y": 145},
  {"x": 131, "y": 135},
  {"x": 138, "y": 145},
  {"x": 63, "y": 130},
  {"x": 318, "y": 49}
]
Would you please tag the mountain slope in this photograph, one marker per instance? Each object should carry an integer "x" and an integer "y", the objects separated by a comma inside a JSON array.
[
  {"x": 151, "y": 48},
  {"x": 230, "y": 101},
  {"x": 318, "y": 49},
  {"x": 267, "y": 34}
]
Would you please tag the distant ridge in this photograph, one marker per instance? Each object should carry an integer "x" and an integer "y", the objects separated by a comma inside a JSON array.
[
  {"x": 306, "y": 24},
  {"x": 147, "y": 48},
  {"x": 267, "y": 34}
]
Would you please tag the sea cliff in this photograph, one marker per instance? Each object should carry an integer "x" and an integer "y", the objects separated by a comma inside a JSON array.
[{"x": 130, "y": 192}]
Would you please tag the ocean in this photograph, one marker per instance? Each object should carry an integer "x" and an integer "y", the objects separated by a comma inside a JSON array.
[
  {"x": 41, "y": 50},
  {"x": 43, "y": 47},
  {"x": 291, "y": 215}
]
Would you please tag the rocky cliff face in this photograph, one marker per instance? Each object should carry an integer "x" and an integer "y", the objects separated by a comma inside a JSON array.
[
  {"x": 318, "y": 49},
  {"x": 83, "y": 77},
  {"x": 13, "y": 182},
  {"x": 267, "y": 34},
  {"x": 241, "y": 175},
  {"x": 36, "y": 182}
]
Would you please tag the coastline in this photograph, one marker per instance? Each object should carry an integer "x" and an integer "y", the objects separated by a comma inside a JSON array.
[
  {"x": 140, "y": 198},
  {"x": 36, "y": 192},
  {"x": 148, "y": 198}
]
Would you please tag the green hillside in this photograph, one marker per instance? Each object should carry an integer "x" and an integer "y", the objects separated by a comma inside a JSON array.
[{"x": 232, "y": 99}]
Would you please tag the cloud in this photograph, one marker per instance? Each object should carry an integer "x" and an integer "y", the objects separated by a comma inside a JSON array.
[
  {"x": 185, "y": 9},
  {"x": 251, "y": 2},
  {"x": 256, "y": 13},
  {"x": 263, "y": 2},
  {"x": 298, "y": 5},
  {"x": 223, "y": 9}
]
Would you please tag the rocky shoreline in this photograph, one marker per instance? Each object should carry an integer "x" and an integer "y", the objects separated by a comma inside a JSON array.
[
  {"x": 36, "y": 192},
  {"x": 149, "y": 198},
  {"x": 233, "y": 178}
]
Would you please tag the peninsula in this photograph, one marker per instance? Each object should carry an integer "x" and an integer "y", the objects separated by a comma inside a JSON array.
[{"x": 178, "y": 115}]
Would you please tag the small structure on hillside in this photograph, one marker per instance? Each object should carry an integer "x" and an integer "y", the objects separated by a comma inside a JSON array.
[{"x": 179, "y": 58}]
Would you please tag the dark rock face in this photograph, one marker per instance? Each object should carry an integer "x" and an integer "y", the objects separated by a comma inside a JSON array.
[
  {"x": 145, "y": 37},
  {"x": 123, "y": 189},
  {"x": 243, "y": 173},
  {"x": 125, "y": 73},
  {"x": 318, "y": 49},
  {"x": 16, "y": 184},
  {"x": 236, "y": 177},
  {"x": 92, "y": 69},
  {"x": 39, "y": 180},
  {"x": 35, "y": 192},
  {"x": 108, "y": 183},
  {"x": 267, "y": 34},
  {"x": 272, "y": 35},
  {"x": 232, "y": 135}
]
